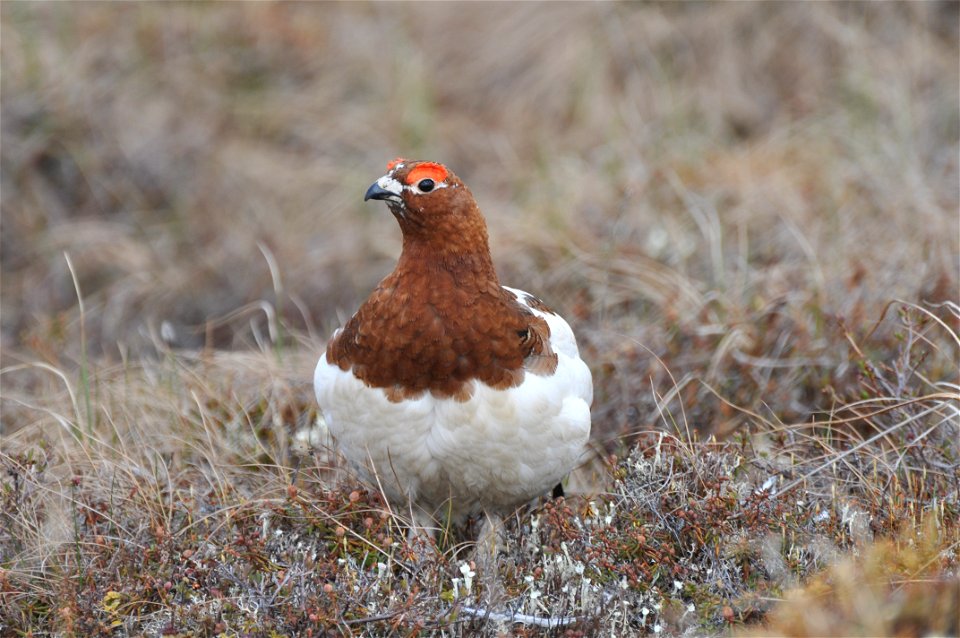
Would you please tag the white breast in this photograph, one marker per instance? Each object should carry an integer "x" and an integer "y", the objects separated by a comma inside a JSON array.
[{"x": 494, "y": 451}]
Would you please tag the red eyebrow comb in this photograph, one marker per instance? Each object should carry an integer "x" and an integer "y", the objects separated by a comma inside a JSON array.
[{"x": 427, "y": 170}]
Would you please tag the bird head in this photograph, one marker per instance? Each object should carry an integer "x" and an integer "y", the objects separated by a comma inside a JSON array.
[{"x": 431, "y": 204}]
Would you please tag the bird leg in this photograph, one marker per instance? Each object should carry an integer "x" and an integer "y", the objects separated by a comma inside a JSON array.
[
  {"x": 485, "y": 555},
  {"x": 422, "y": 532}
]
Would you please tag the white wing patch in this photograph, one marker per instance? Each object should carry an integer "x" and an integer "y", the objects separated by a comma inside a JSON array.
[
  {"x": 498, "y": 449},
  {"x": 561, "y": 335}
]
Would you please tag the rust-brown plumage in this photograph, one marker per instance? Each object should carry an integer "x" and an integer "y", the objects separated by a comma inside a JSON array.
[{"x": 441, "y": 319}]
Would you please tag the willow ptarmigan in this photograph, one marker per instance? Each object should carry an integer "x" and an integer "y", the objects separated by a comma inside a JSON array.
[{"x": 452, "y": 393}]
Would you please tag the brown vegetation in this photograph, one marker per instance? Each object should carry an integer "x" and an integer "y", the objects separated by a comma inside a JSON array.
[{"x": 749, "y": 213}]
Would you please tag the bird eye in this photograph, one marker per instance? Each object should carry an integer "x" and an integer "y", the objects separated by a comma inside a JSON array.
[{"x": 425, "y": 185}]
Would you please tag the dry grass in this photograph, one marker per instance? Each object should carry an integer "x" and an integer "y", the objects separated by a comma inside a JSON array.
[
  {"x": 894, "y": 588},
  {"x": 749, "y": 212}
]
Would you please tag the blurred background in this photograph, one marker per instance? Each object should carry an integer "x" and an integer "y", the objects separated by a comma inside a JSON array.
[{"x": 707, "y": 191}]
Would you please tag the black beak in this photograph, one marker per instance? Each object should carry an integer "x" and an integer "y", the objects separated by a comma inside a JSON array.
[{"x": 375, "y": 192}]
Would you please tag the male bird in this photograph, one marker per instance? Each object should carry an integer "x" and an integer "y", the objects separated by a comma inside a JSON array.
[{"x": 452, "y": 393}]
